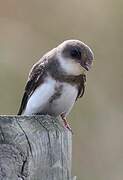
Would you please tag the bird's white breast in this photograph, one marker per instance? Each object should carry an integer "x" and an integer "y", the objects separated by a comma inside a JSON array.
[
  {"x": 67, "y": 99},
  {"x": 39, "y": 102}
]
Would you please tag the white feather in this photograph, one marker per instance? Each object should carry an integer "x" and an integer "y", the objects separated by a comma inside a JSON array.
[
  {"x": 67, "y": 99},
  {"x": 70, "y": 66}
]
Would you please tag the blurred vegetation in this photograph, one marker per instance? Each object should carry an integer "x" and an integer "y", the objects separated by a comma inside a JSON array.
[{"x": 30, "y": 28}]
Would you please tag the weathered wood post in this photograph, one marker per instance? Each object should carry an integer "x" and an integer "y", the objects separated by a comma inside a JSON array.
[{"x": 34, "y": 148}]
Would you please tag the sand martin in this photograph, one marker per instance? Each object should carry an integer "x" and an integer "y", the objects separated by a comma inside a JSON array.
[{"x": 57, "y": 80}]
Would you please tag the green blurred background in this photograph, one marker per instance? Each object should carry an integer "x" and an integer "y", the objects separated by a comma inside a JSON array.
[{"x": 28, "y": 29}]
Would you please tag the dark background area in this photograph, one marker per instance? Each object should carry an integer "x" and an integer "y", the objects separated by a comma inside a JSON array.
[{"x": 30, "y": 28}]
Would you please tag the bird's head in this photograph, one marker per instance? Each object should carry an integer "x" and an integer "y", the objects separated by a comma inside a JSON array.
[{"x": 75, "y": 57}]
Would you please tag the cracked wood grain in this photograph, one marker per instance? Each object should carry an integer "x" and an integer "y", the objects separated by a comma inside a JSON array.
[{"x": 34, "y": 148}]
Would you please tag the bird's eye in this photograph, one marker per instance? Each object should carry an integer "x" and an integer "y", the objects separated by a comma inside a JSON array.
[{"x": 75, "y": 53}]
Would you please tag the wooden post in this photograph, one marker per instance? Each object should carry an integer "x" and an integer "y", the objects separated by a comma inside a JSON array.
[{"x": 34, "y": 148}]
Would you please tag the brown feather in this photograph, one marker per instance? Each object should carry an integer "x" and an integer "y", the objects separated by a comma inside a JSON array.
[{"x": 35, "y": 78}]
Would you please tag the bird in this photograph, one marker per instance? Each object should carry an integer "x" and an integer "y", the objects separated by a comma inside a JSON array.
[{"x": 57, "y": 80}]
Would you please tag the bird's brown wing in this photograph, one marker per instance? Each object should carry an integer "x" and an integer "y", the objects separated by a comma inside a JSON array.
[
  {"x": 81, "y": 86},
  {"x": 34, "y": 80}
]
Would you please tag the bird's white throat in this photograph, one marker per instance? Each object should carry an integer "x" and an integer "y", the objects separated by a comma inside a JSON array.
[{"x": 71, "y": 67}]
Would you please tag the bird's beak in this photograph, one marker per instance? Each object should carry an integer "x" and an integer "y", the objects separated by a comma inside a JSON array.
[{"x": 86, "y": 65}]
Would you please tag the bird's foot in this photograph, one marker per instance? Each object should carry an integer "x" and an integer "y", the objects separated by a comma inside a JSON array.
[{"x": 66, "y": 124}]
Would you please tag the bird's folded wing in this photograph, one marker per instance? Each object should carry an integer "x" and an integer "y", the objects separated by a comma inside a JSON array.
[{"x": 35, "y": 79}]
